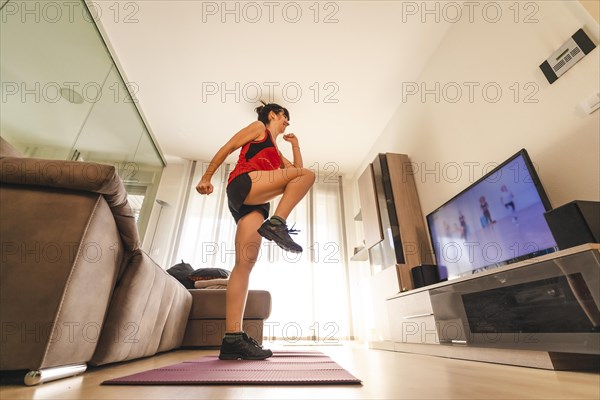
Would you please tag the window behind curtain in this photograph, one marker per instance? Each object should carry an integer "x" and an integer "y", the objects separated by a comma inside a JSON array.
[{"x": 309, "y": 290}]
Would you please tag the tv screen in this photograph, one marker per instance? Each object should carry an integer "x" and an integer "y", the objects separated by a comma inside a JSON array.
[{"x": 495, "y": 221}]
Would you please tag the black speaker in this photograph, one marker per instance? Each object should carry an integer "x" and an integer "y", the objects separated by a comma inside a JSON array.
[
  {"x": 424, "y": 275},
  {"x": 575, "y": 223}
]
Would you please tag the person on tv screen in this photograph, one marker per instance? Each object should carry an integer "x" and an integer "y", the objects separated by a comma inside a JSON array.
[
  {"x": 485, "y": 209},
  {"x": 464, "y": 228},
  {"x": 508, "y": 200}
]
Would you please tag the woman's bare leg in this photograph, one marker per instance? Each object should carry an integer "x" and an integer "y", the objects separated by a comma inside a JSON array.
[
  {"x": 247, "y": 246},
  {"x": 293, "y": 183}
]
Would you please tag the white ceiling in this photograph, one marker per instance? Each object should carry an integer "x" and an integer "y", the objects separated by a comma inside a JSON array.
[{"x": 175, "y": 51}]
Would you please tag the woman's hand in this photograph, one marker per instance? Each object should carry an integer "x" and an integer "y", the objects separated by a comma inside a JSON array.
[
  {"x": 293, "y": 140},
  {"x": 204, "y": 187},
  {"x": 290, "y": 137}
]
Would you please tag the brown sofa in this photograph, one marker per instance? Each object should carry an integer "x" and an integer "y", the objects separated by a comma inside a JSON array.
[
  {"x": 206, "y": 324},
  {"x": 75, "y": 287}
]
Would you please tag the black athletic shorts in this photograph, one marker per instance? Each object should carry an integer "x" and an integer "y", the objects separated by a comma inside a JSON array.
[{"x": 237, "y": 191}]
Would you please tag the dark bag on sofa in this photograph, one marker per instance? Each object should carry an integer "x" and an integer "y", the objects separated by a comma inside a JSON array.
[{"x": 181, "y": 272}]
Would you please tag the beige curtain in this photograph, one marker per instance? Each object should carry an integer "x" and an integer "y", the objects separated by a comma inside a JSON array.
[{"x": 309, "y": 290}]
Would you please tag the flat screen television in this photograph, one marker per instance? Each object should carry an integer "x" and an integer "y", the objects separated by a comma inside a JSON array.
[{"x": 495, "y": 221}]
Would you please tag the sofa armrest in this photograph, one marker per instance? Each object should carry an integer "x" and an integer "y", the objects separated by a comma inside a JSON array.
[{"x": 76, "y": 175}]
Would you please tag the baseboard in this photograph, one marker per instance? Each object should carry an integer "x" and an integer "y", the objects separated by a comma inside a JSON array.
[{"x": 523, "y": 358}]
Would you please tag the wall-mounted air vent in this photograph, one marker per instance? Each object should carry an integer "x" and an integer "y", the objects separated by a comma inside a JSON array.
[{"x": 567, "y": 55}]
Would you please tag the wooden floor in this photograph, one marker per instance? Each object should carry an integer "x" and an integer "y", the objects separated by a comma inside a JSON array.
[{"x": 385, "y": 375}]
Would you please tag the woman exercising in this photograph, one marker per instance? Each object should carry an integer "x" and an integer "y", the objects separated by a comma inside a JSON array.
[{"x": 261, "y": 174}]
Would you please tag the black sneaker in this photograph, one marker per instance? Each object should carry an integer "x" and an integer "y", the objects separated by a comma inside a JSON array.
[
  {"x": 280, "y": 234},
  {"x": 242, "y": 347}
]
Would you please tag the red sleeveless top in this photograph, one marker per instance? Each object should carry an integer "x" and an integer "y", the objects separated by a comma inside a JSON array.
[{"x": 257, "y": 156}]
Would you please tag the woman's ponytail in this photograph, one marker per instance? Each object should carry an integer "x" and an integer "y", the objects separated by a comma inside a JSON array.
[{"x": 264, "y": 110}]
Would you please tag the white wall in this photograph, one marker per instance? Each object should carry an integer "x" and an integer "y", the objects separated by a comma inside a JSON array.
[
  {"x": 562, "y": 141},
  {"x": 457, "y": 141},
  {"x": 592, "y": 7}
]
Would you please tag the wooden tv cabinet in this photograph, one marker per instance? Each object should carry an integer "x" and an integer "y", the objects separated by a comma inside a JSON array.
[{"x": 542, "y": 312}]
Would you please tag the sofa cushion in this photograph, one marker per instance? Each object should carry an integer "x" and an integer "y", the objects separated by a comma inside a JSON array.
[
  {"x": 217, "y": 283},
  {"x": 210, "y": 304}
]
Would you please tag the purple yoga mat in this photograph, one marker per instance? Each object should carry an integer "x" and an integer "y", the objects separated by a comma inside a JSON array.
[{"x": 285, "y": 367}]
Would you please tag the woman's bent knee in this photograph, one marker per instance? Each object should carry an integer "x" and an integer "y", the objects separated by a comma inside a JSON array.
[
  {"x": 309, "y": 173},
  {"x": 295, "y": 174}
]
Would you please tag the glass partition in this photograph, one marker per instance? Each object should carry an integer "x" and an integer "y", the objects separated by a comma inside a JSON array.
[{"x": 64, "y": 98}]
